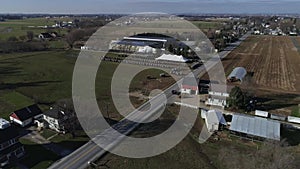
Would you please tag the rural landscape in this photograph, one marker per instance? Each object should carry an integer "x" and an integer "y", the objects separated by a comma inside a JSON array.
[{"x": 247, "y": 118}]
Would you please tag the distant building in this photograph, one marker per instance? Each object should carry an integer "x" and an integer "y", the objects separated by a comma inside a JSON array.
[
  {"x": 10, "y": 147},
  {"x": 26, "y": 116},
  {"x": 218, "y": 95},
  {"x": 237, "y": 74},
  {"x": 293, "y": 33},
  {"x": 47, "y": 36},
  {"x": 189, "y": 86}
]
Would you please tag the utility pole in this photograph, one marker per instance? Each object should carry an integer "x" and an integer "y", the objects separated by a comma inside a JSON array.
[{"x": 107, "y": 110}]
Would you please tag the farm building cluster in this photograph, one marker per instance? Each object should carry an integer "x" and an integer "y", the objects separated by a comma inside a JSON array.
[{"x": 255, "y": 128}]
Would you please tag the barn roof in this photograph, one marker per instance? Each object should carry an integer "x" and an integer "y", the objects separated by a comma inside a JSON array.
[
  {"x": 256, "y": 126},
  {"x": 238, "y": 73}
]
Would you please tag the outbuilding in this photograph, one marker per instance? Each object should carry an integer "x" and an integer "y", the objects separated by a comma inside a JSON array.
[
  {"x": 237, "y": 74},
  {"x": 255, "y": 127}
]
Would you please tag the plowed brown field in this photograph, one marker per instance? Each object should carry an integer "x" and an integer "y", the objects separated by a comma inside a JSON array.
[{"x": 274, "y": 61}]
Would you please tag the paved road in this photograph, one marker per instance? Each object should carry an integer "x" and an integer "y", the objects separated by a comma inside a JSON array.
[{"x": 90, "y": 151}]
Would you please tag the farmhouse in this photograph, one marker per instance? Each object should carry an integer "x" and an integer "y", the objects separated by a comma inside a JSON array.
[
  {"x": 237, "y": 74},
  {"x": 217, "y": 95},
  {"x": 10, "y": 148},
  {"x": 189, "y": 86},
  {"x": 57, "y": 119},
  {"x": 255, "y": 127},
  {"x": 26, "y": 116}
]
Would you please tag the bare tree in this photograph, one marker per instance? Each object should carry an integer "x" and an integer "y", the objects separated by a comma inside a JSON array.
[
  {"x": 74, "y": 36},
  {"x": 30, "y": 35}
]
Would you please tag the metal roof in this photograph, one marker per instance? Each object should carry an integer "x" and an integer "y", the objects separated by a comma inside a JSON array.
[
  {"x": 238, "y": 73},
  {"x": 256, "y": 126},
  {"x": 145, "y": 39}
]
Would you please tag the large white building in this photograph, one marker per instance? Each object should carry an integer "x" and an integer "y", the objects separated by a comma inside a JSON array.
[{"x": 255, "y": 127}]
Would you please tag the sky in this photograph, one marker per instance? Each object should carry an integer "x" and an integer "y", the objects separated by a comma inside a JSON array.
[{"x": 135, "y": 6}]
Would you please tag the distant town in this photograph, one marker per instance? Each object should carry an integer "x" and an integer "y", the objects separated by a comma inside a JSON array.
[{"x": 255, "y": 114}]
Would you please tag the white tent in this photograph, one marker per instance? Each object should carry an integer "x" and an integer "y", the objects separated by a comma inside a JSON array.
[
  {"x": 146, "y": 49},
  {"x": 175, "y": 58}
]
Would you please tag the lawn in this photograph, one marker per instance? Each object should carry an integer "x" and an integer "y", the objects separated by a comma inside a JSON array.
[
  {"x": 12, "y": 100},
  {"x": 37, "y": 157},
  {"x": 296, "y": 111},
  {"x": 39, "y": 77},
  {"x": 46, "y": 133}
]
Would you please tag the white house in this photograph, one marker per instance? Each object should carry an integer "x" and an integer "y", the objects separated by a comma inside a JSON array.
[
  {"x": 56, "y": 119},
  {"x": 218, "y": 95}
]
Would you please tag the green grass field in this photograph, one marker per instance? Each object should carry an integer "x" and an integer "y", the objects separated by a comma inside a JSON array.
[
  {"x": 20, "y": 27},
  {"x": 13, "y": 101},
  {"x": 40, "y": 77}
]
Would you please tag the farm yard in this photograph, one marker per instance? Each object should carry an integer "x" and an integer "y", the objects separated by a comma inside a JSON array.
[{"x": 273, "y": 66}]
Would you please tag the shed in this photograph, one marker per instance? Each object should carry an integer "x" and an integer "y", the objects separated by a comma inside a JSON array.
[
  {"x": 261, "y": 113},
  {"x": 294, "y": 119},
  {"x": 237, "y": 74}
]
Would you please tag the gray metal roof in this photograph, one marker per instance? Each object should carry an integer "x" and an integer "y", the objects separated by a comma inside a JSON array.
[
  {"x": 256, "y": 126},
  {"x": 238, "y": 73}
]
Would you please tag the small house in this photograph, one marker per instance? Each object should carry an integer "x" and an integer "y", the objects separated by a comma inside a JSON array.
[
  {"x": 190, "y": 86},
  {"x": 26, "y": 116}
]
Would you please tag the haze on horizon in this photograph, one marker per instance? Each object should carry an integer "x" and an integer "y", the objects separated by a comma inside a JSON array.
[{"x": 134, "y": 6}]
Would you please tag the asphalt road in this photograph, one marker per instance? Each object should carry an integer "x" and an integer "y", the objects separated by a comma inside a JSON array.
[{"x": 91, "y": 151}]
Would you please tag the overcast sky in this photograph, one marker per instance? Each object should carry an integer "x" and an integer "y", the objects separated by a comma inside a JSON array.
[{"x": 134, "y": 6}]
